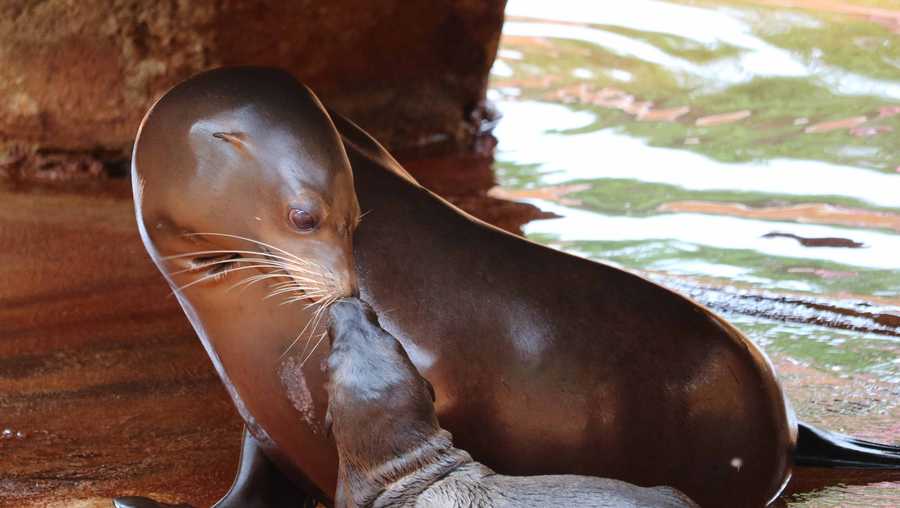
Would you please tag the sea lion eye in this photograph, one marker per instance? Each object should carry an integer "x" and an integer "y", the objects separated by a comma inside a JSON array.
[{"x": 303, "y": 220}]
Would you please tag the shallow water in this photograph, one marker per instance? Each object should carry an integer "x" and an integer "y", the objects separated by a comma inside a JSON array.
[{"x": 670, "y": 137}]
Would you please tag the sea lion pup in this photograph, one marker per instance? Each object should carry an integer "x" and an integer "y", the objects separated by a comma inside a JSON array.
[{"x": 393, "y": 452}]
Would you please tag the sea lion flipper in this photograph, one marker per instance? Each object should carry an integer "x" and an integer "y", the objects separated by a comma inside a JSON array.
[
  {"x": 822, "y": 448},
  {"x": 258, "y": 484},
  {"x": 143, "y": 502}
]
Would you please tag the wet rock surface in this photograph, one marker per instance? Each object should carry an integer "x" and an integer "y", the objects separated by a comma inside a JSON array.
[
  {"x": 76, "y": 77},
  {"x": 104, "y": 388}
]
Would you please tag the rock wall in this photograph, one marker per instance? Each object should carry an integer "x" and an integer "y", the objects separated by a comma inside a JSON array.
[{"x": 77, "y": 76}]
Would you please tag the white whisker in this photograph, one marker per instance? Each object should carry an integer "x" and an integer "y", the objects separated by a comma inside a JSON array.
[
  {"x": 315, "y": 347},
  {"x": 360, "y": 217},
  {"x": 246, "y": 282},
  {"x": 211, "y": 276},
  {"x": 257, "y": 242},
  {"x": 317, "y": 317},
  {"x": 294, "y": 289},
  {"x": 281, "y": 284},
  {"x": 306, "y": 294},
  {"x": 297, "y": 278},
  {"x": 291, "y": 260},
  {"x": 229, "y": 270},
  {"x": 292, "y": 278},
  {"x": 296, "y": 339},
  {"x": 284, "y": 265}
]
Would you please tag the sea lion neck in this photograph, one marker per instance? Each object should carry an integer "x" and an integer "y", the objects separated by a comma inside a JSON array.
[{"x": 409, "y": 475}]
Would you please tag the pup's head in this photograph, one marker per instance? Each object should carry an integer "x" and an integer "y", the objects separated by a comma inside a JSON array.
[{"x": 380, "y": 407}]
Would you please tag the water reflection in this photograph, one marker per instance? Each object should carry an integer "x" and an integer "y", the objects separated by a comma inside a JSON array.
[
  {"x": 670, "y": 137},
  {"x": 711, "y": 29},
  {"x": 718, "y": 232},
  {"x": 563, "y": 151}
]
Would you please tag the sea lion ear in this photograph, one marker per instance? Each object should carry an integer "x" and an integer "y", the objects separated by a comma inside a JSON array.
[{"x": 430, "y": 389}]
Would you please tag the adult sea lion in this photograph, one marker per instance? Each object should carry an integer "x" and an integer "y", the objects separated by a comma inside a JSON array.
[
  {"x": 393, "y": 452},
  {"x": 543, "y": 362}
]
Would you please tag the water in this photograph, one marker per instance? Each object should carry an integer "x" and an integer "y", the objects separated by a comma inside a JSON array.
[{"x": 669, "y": 137}]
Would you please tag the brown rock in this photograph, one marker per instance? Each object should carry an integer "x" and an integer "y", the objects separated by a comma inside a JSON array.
[
  {"x": 723, "y": 118},
  {"x": 834, "y": 125},
  {"x": 811, "y": 213},
  {"x": 78, "y": 76},
  {"x": 664, "y": 115}
]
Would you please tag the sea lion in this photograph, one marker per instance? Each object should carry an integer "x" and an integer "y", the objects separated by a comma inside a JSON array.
[
  {"x": 393, "y": 452},
  {"x": 543, "y": 362}
]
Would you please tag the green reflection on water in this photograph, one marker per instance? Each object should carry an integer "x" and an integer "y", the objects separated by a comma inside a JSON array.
[
  {"x": 737, "y": 265},
  {"x": 879, "y": 494},
  {"x": 636, "y": 198},
  {"x": 836, "y": 54},
  {"x": 861, "y": 47},
  {"x": 839, "y": 351}
]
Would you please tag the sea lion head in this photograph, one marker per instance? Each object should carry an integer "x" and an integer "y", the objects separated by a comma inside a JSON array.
[
  {"x": 380, "y": 409},
  {"x": 241, "y": 179}
]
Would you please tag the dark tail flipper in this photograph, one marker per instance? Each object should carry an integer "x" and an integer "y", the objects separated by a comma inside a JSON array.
[{"x": 821, "y": 448}]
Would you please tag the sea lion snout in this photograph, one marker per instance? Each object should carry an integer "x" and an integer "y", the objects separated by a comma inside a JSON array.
[
  {"x": 351, "y": 316},
  {"x": 356, "y": 332},
  {"x": 352, "y": 307}
]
